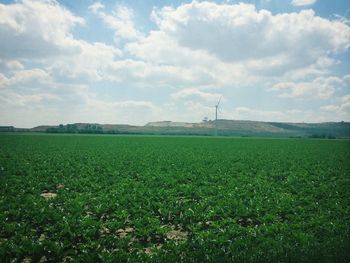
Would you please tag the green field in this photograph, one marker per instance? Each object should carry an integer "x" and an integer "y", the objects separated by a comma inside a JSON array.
[{"x": 85, "y": 198}]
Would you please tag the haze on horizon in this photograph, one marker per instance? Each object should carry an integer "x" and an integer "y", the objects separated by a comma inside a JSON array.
[{"x": 140, "y": 61}]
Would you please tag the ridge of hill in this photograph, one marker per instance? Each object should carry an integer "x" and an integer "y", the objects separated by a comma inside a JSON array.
[{"x": 207, "y": 128}]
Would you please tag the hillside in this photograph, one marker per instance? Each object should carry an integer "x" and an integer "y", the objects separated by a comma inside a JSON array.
[
  {"x": 225, "y": 128},
  {"x": 258, "y": 128}
]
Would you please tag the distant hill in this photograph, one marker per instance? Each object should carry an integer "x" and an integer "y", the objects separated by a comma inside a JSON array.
[
  {"x": 42, "y": 128},
  {"x": 225, "y": 128},
  {"x": 259, "y": 128},
  {"x": 170, "y": 124},
  {"x": 12, "y": 129}
]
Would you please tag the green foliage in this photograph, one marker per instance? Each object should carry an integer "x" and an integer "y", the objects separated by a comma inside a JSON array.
[{"x": 173, "y": 199}]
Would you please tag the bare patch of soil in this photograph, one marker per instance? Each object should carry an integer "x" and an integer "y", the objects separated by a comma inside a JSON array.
[
  {"x": 48, "y": 195},
  {"x": 42, "y": 237},
  {"x": 248, "y": 222},
  {"x": 104, "y": 231},
  {"x": 60, "y": 186},
  {"x": 177, "y": 234},
  {"x": 124, "y": 232}
]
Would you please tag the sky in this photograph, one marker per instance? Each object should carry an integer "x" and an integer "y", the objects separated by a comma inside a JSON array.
[{"x": 133, "y": 62}]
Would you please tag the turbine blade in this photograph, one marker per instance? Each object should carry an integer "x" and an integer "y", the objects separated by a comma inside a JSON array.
[{"x": 219, "y": 102}]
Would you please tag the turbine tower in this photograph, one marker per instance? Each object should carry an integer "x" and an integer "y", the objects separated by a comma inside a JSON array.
[{"x": 216, "y": 116}]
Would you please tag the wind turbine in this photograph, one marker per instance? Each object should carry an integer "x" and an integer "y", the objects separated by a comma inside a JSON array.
[{"x": 216, "y": 116}]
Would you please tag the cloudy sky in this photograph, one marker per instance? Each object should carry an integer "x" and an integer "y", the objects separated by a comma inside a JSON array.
[{"x": 139, "y": 61}]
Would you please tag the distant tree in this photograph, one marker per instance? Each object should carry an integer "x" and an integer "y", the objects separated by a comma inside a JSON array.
[{"x": 72, "y": 128}]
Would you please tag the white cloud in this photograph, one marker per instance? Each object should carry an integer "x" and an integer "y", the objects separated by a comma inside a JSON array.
[
  {"x": 127, "y": 104},
  {"x": 36, "y": 29},
  {"x": 343, "y": 108},
  {"x": 32, "y": 87},
  {"x": 32, "y": 97},
  {"x": 320, "y": 87},
  {"x": 3, "y": 80},
  {"x": 160, "y": 49},
  {"x": 320, "y": 68},
  {"x": 231, "y": 32},
  {"x": 14, "y": 64},
  {"x": 181, "y": 51},
  {"x": 96, "y": 7},
  {"x": 15, "y": 99},
  {"x": 220, "y": 41},
  {"x": 23, "y": 76},
  {"x": 121, "y": 20},
  {"x": 91, "y": 62},
  {"x": 148, "y": 74},
  {"x": 40, "y": 31},
  {"x": 345, "y": 103},
  {"x": 257, "y": 114},
  {"x": 303, "y": 2},
  {"x": 196, "y": 93},
  {"x": 128, "y": 111},
  {"x": 214, "y": 49},
  {"x": 330, "y": 108},
  {"x": 23, "y": 110},
  {"x": 347, "y": 79}
]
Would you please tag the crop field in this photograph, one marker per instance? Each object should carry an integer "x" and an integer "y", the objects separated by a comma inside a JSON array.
[{"x": 91, "y": 198}]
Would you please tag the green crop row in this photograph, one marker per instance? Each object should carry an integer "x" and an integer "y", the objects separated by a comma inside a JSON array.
[{"x": 86, "y": 198}]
